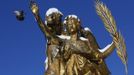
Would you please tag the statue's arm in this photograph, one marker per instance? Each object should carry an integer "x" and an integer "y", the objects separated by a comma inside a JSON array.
[
  {"x": 95, "y": 46},
  {"x": 42, "y": 26},
  {"x": 108, "y": 50},
  {"x": 35, "y": 10}
]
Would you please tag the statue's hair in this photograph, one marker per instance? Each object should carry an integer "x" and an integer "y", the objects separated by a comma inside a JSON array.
[{"x": 53, "y": 10}]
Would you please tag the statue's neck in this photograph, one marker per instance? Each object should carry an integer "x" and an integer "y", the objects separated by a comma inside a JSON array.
[{"x": 74, "y": 37}]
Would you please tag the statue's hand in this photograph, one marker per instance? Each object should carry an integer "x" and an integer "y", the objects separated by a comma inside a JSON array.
[{"x": 34, "y": 7}]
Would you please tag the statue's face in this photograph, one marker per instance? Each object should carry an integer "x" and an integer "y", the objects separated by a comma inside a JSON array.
[
  {"x": 72, "y": 25},
  {"x": 54, "y": 22},
  {"x": 54, "y": 18}
]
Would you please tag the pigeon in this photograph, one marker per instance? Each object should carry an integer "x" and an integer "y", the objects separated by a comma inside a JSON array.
[{"x": 19, "y": 15}]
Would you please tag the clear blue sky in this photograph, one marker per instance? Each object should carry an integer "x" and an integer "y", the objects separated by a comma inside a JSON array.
[{"x": 22, "y": 44}]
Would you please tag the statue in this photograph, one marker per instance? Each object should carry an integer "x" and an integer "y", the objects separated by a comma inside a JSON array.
[
  {"x": 77, "y": 53},
  {"x": 52, "y": 27},
  {"x": 81, "y": 63}
]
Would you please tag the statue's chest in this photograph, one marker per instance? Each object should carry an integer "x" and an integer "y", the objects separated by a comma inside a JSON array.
[
  {"x": 71, "y": 46},
  {"x": 76, "y": 44}
]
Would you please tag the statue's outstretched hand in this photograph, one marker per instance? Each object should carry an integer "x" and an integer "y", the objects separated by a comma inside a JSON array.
[{"x": 34, "y": 7}]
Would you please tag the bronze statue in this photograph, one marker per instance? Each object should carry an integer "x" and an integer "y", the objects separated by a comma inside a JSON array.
[
  {"x": 52, "y": 28},
  {"x": 81, "y": 63},
  {"x": 73, "y": 55},
  {"x": 54, "y": 43}
]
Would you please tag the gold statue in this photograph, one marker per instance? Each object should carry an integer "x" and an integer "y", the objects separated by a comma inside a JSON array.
[
  {"x": 52, "y": 28},
  {"x": 77, "y": 55},
  {"x": 87, "y": 60}
]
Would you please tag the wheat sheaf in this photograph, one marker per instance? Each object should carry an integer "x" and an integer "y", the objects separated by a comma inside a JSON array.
[{"x": 110, "y": 25}]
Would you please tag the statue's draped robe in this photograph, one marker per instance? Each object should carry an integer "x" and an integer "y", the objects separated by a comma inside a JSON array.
[
  {"x": 101, "y": 66},
  {"x": 78, "y": 64}
]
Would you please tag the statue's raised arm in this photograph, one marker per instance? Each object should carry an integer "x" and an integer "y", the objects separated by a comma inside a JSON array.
[{"x": 35, "y": 10}]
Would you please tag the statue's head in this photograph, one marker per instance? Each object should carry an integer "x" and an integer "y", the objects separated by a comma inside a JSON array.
[
  {"x": 54, "y": 20},
  {"x": 72, "y": 23},
  {"x": 53, "y": 16}
]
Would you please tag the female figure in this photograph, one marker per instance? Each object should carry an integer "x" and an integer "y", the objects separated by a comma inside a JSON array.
[{"x": 81, "y": 57}]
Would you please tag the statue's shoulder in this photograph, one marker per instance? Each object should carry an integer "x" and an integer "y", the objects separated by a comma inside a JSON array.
[{"x": 82, "y": 41}]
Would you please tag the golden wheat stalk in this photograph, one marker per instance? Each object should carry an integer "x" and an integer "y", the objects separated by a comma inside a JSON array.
[
  {"x": 110, "y": 26},
  {"x": 106, "y": 17},
  {"x": 121, "y": 49}
]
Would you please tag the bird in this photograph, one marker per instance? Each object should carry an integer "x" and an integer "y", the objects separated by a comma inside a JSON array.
[{"x": 20, "y": 16}]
